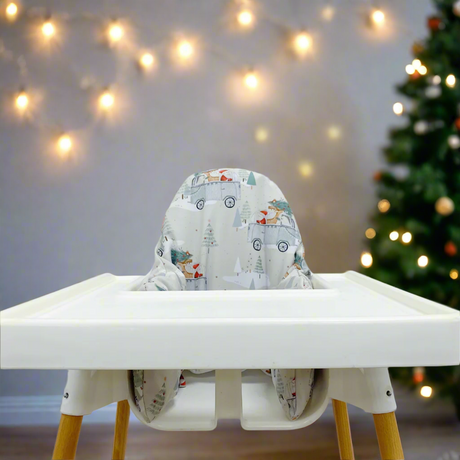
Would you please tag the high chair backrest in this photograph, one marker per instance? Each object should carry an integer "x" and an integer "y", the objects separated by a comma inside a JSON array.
[{"x": 228, "y": 229}]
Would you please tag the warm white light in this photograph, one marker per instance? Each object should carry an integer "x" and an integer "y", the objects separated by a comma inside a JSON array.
[
  {"x": 416, "y": 63},
  {"x": 334, "y": 132},
  {"x": 106, "y": 100},
  {"x": 366, "y": 259},
  {"x": 410, "y": 69},
  {"x": 422, "y": 261},
  {"x": 378, "y": 17},
  {"x": 48, "y": 29},
  {"x": 115, "y": 32},
  {"x": 426, "y": 391},
  {"x": 185, "y": 49},
  {"x": 383, "y": 205},
  {"x": 305, "y": 169},
  {"x": 436, "y": 80},
  {"x": 261, "y": 134},
  {"x": 65, "y": 143},
  {"x": 394, "y": 235},
  {"x": 146, "y": 60},
  {"x": 406, "y": 237},
  {"x": 398, "y": 108},
  {"x": 453, "y": 274},
  {"x": 22, "y": 101},
  {"x": 370, "y": 233},
  {"x": 422, "y": 70},
  {"x": 245, "y": 18},
  {"x": 450, "y": 80},
  {"x": 11, "y": 10},
  {"x": 251, "y": 80},
  {"x": 302, "y": 43},
  {"x": 328, "y": 13}
]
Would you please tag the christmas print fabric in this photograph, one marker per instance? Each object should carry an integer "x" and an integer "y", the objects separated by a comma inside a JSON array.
[{"x": 226, "y": 229}]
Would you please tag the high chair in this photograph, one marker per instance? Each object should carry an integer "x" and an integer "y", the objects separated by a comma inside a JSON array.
[{"x": 350, "y": 328}]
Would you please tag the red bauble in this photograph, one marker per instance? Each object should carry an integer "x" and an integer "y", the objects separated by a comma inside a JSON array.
[
  {"x": 450, "y": 249},
  {"x": 415, "y": 75},
  {"x": 434, "y": 23},
  {"x": 457, "y": 123},
  {"x": 418, "y": 374},
  {"x": 378, "y": 176}
]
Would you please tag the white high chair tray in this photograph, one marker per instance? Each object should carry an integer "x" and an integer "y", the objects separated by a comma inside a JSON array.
[{"x": 348, "y": 320}]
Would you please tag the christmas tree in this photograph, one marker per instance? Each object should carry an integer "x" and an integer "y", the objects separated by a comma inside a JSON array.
[
  {"x": 251, "y": 179},
  {"x": 416, "y": 232},
  {"x": 246, "y": 212},
  {"x": 208, "y": 239},
  {"x": 259, "y": 268},
  {"x": 237, "y": 221}
]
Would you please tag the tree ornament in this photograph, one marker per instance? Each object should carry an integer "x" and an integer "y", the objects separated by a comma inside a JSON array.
[
  {"x": 377, "y": 176},
  {"x": 415, "y": 75},
  {"x": 457, "y": 121},
  {"x": 418, "y": 374},
  {"x": 421, "y": 127},
  {"x": 417, "y": 48},
  {"x": 450, "y": 249},
  {"x": 433, "y": 91},
  {"x": 456, "y": 8},
  {"x": 435, "y": 80},
  {"x": 454, "y": 141},
  {"x": 435, "y": 23},
  {"x": 444, "y": 206}
]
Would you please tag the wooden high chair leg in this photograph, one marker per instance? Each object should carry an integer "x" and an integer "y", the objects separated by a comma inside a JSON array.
[
  {"x": 67, "y": 437},
  {"x": 121, "y": 430},
  {"x": 342, "y": 424},
  {"x": 388, "y": 436}
]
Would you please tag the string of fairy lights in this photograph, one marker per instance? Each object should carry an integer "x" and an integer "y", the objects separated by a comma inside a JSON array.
[{"x": 245, "y": 16}]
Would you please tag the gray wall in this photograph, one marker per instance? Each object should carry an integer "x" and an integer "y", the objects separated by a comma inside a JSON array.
[{"x": 65, "y": 221}]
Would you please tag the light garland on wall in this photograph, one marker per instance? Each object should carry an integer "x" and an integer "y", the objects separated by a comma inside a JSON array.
[{"x": 246, "y": 17}]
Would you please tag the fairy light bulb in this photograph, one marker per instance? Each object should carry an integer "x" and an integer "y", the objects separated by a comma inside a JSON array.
[
  {"x": 22, "y": 101},
  {"x": 251, "y": 80},
  {"x": 394, "y": 235},
  {"x": 261, "y": 134},
  {"x": 48, "y": 29},
  {"x": 398, "y": 108},
  {"x": 378, "y": 17},
  {"x": 406, "y": 237},
  {"x": 453, "y": 274},
  {"x": 302, "y": 43},
  {"x": 11, "y": 10},
  {"x": 185, "y": 49},
  {"x": 328, "y": 13},
  {"x": 245, "y": 18},
  {"x": 370, "y": 233},
  {"x": 106, "y": 100},
  {"x": 422, "y": 261},
  {"x": 64, "y": 144},
  {"x": 383, "y": 205},
  {"x": 450, "y": 81},
  {"x": 334, "y": 132},
  {"x": 410, "y": 69},
  {"x": 366, "y": 259},
  {"x": 115, "y": 32},
  {"x": 305, "y": 169},
  {"x": 146, "y": 60},
  {"x": 416, "y": 63},
  {"x": 422, "y": 70},
  {"x": 426, "y": 391}
]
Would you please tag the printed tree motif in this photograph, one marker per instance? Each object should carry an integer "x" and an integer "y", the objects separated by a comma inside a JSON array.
[
  {"x": 251, "y": 179},
  {"x": 209, "y": 240},
  {"x": 246, "y": 212},
  {"x": 244, "y": 174},
  {"x": 237, "y": 268},
  {"x": 158, "y": 402},
  {"x": 259, "y": 268},
  {"x": 237, "y": 221},
  {"x": 252, "y": 287},
  {"x": 179, "y": 256},
  {"x": 166, "y": 230}
]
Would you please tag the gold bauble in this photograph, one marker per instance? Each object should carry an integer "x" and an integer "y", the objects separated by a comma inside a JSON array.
[{"x": 444, "y": 206}]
